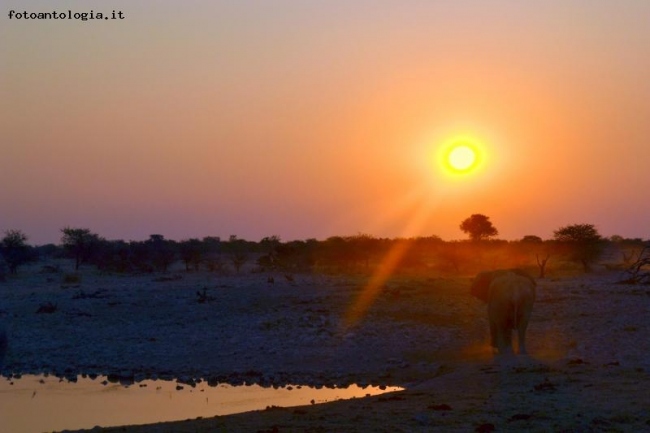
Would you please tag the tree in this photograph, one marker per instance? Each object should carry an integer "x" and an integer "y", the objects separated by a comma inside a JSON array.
[
  {"x": 192, "y": 252},
  {"x": 14, "y": 250},
  {"x": 113, "y": 256},
  {"x": 478, "y": 227},
  {"x": 361, "y": 249},
  {"x": 80, "y": 244},
  {"x": 161, "y": 252},
  {"x": 532, "y": 239},
  {"x": 212, "y": 259},
  {"x": 270, "y": 246},
  {"x": 584, "y": 242},
  {"x": 238, "y": 259},
  {"x": 638, "y": 271},
  {"x": 238, "y": 252}
]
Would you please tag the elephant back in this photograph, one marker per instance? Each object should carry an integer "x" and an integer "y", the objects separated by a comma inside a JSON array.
[{"x": 480, "y": 287}]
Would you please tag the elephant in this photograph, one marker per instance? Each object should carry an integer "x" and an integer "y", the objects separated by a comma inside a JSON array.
[{"x": 510, "y": 295}]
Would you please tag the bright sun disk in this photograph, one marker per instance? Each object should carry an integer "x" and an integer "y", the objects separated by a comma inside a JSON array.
[{"x": 462, "y": 157}]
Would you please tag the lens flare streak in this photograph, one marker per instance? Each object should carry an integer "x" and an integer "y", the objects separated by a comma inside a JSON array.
[{"x": 385, "y": 269}]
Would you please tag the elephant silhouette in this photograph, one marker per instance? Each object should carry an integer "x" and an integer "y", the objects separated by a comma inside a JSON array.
[{"x": 510, "y": 295}]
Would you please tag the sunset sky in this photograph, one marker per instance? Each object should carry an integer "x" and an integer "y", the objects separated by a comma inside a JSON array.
[{"x": 307, "y": 119}]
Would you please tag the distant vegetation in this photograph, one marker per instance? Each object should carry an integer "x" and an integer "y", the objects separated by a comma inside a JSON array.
[{"x": 573, "y": 245}]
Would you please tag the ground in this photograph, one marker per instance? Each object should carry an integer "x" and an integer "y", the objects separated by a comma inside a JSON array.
[{"x": 587, "y": 368}]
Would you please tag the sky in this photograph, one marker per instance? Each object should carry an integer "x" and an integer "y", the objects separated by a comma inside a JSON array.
[{"x": 310, "y": 119}]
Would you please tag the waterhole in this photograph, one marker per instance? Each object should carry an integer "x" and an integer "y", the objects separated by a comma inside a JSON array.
[{"x": 36, "y": 403}]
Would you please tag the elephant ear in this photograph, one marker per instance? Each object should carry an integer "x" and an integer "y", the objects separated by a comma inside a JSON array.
[{"x": 481, "y": 286}]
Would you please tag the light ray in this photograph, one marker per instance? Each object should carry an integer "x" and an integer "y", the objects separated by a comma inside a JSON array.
[{"x": 385, "y": 269}]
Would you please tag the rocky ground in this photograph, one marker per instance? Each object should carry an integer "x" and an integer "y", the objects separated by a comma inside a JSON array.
[{"x": 587, "y": 370}]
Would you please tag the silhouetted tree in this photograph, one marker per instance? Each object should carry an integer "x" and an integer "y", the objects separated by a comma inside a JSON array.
[
  {"x": 288, "y": 256},
  {"x": 532, "y": 239},
  {"x": 629, "y": 248},
  {"x": 238, "y": 252},
  {"x": 584, "y": 242},
  {"x": 212, "y": 251},
  {"x": 478, "y": 227},
  {"x": 306, "y": 260},
  {"x": 212, "y": 243},
  {"x": 335, "y": 254},
  {"x": 269, "y": 243},
  {"x": 238, "y": 259},
  {"x": 161, "y": 252},
  {"x": 638, "y": 271},
  {"x": 47, "y": 251},
  {"x": 140, "y": 256},
  {"x": 113, "y": 256},
  {"x": 191, "y": 253},
  {"x": 80, "y": 244},
  {"x": 268, "y": 261},
  {"x": 14, "y": 250},
  {"x": 617, "y": 239},
  {"x": 361, "y": 248}
]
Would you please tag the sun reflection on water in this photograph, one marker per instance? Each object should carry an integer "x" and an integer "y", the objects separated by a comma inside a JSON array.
[{"x": 88, "y": 403}]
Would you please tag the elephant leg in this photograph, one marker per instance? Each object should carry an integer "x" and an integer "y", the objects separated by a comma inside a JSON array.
[
  {"x": 521, "y": 332},
  {"x": 522, "y": 324},
  {"x": 521, "y": 339},
  {"x": 493, "y": 334},
  {"x": 500, "y": 327},
  {"x": 505, "y": 339},
  {"x": 495, "y": 319}
]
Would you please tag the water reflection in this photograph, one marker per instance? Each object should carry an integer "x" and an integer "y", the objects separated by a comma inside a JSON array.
[{"x": 39, "y": 403}]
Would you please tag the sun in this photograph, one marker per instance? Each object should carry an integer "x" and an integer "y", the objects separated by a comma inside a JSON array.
[{"x": 460, "y": 156}]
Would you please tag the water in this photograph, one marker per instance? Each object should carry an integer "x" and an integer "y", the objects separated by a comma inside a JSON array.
[{"x": 38, "y": 403}]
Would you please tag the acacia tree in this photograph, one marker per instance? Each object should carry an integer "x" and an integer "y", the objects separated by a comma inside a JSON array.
[
  {"x": 238, "y": 254},
  {"x": 478, "y": 227},
  {"x": 160, "y": 251},
  {"x": 80, "y": 244},
  {"x": 270, "y": 246},
  {"x": 191, "y": 252},
  {"x": 14, "y": 250},
  {"x": 584, "y": 241}
]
